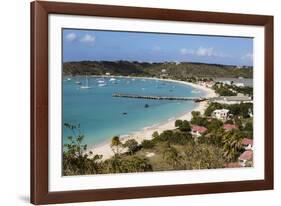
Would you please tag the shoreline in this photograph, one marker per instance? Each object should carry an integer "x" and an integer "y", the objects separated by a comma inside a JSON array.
[{"x": 145, "y": 133}]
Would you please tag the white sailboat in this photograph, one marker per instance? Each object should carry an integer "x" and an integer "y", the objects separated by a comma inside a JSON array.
[{"x": 86, "y": 86}]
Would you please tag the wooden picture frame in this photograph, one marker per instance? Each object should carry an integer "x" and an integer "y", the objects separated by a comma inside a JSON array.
[{"x": 40, "y": 107}]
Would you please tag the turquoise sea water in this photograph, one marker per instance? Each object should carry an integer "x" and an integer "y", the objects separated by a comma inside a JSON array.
[{"x": 101, "y": 116}]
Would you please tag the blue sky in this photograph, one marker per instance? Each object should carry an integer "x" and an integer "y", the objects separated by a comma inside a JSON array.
[{"x": 97, "y": 45}]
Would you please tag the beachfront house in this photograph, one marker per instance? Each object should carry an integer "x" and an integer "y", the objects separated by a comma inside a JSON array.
[
  {"x": 220, "y": 114},
  {"x": 229, "y": 127},
  {"x": 107, "y": 74},
  {"x": 245, "y": 158},
  {"x": 197, "y": 131},
  {"x": 247, "y": 144}
]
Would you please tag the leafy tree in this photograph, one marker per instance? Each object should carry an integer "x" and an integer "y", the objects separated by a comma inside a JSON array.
[
  {"x": 201, "y": 121},
  {"x": 165, "y": 136},
  {"x": 185, "y": 126},
  {"x": 195, "y": 114},
  {"x": 155, "y": 134},
  {"x": 147, "y": 144},
  {"x": 76, "y": 159},
  {"x": 214, "y": 125},
  {"x": 180, "y": 138},
  {"x": 178, "y": 123},
  {"x": 132, "y": 146}
]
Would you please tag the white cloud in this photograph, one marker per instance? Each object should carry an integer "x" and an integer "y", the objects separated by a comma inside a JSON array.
[
  {"x": 88, "y": 38},
  {"x": 71, "y": 37},
  {"x": 247, "y": 56},
  {"x": 201, "y": 51},
  {"x": 185, "y": 51}
]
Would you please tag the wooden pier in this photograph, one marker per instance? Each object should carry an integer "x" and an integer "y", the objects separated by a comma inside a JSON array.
[{"x": 196, "y": 99}]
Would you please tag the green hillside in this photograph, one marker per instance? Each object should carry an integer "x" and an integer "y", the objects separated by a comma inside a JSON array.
[{"x": 170, "y": 69}]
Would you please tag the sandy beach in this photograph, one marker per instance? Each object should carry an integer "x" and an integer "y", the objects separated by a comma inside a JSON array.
[{"x": 104, "y": 148}]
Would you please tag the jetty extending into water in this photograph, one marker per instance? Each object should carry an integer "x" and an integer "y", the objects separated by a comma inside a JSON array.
[
  {"x": 196, "y": 99},
  {"x": 223, "y": 99}
]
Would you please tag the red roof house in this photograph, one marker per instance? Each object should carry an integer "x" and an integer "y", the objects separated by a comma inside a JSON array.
[
  {"x": 229, "y": 127},
  {"x": 247, "y": 141},
  {"x": 247, "y": 144},
  {"x": 245, "y": 156},
  {"x": 198, "y": 130}
]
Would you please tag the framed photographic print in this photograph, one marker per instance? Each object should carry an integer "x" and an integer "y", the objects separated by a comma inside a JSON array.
[{"x": 133, "y": 102}]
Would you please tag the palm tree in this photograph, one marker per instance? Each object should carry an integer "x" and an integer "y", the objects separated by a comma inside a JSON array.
[
  {"x": 115, "y": 145},
  {"x": 232, "y": 141}
]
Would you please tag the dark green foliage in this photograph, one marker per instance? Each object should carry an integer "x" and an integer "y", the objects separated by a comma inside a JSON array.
[
  {"x": 240, "y": 109},
  {"x": 132, "y": 146},
  {"x": 183, "y": 126},
  {"x": 201, "y": 121},
  {"x": 155, "y": 134},
  {"x": 180, "y": 138},
  {"x": 147, "y": 144},
  {"x": 195, "y": 114},
  {"x": 178, "y": 122},
  {"x": 164, "y": 136},
  {"x": 174, "y": 137},
  {"x": 214, "y": 125}
]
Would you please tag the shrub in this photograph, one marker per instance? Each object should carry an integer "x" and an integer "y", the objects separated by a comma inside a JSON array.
[
  {"x": 178, "y": 123},
  {"x": 132, "y": 146},
  {"x": 147, "y": 144},
  {"x": 185, "y": 126}
]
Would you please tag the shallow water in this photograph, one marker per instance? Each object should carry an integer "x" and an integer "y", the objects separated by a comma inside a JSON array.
[{"x": 102, "y": 116}]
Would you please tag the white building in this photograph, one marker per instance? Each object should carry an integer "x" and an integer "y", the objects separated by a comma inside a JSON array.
[
  {"x": 220, "y": 114},
  {"x": 107, "y": 74},
  {"x": 238, "y": 84}
]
